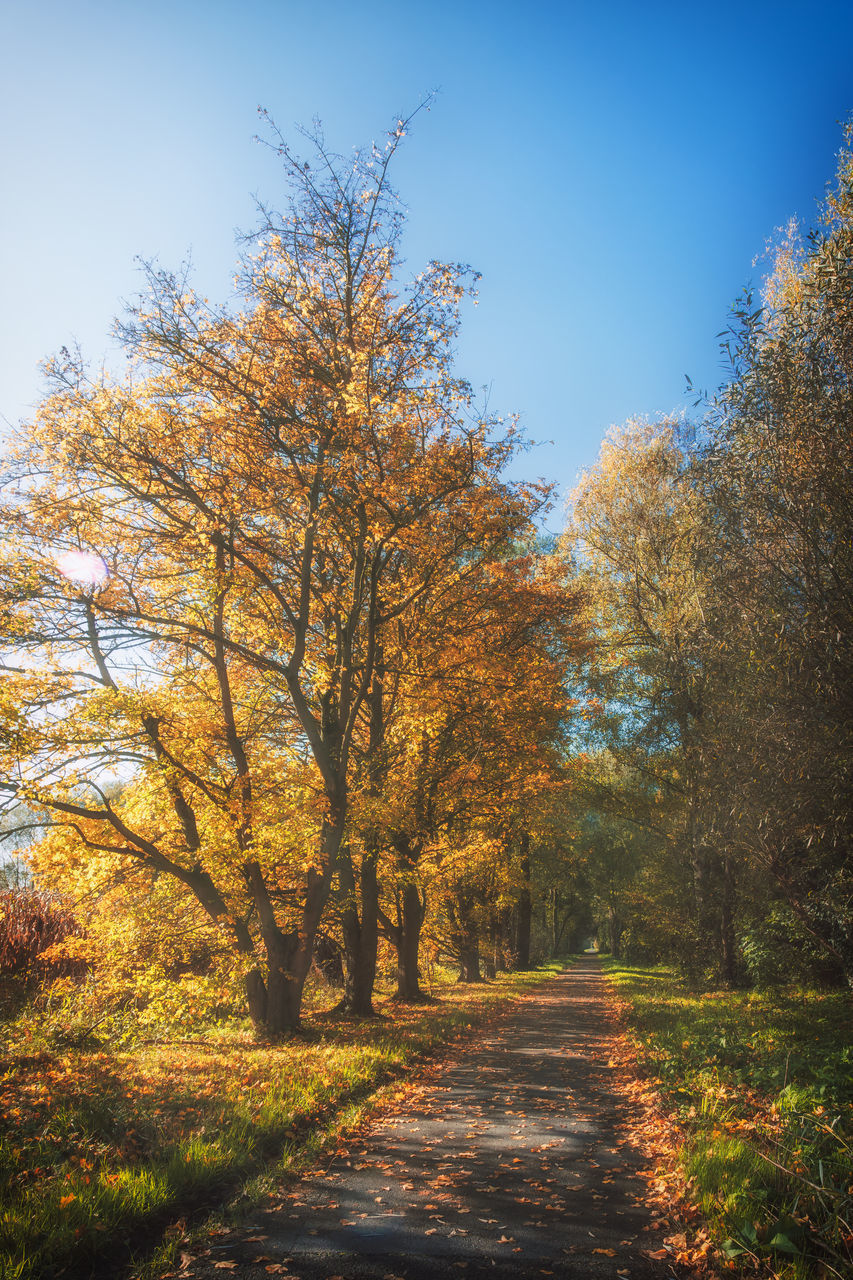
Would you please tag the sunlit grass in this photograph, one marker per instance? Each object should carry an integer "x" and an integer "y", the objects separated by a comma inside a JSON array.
[
  {"x": 99, "y": 1146},
  {"x": 762, "y": 1083}
]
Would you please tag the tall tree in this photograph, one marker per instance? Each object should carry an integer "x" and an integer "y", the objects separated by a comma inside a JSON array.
[
  {"x": 777, "y": 476},
  {"x": 640, "y": 527},
  {"x": 251, "y": 510}
]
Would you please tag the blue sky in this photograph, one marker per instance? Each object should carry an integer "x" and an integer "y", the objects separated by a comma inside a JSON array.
[{"x": 612, "y": 169}]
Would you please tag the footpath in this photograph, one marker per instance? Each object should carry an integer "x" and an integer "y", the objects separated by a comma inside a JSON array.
[{"x": 514, "y": 1160}]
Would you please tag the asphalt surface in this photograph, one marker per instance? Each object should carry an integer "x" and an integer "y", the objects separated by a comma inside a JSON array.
[{"x": 516, "y": 1160}]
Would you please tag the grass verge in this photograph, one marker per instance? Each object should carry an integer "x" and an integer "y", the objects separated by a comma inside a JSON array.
[
  {"x": 104, "y": 1149},
  {"x": 761, "y": 1083}
]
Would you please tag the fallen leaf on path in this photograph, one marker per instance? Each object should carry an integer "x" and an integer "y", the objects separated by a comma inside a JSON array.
[{"x": 608, "y": 1253}]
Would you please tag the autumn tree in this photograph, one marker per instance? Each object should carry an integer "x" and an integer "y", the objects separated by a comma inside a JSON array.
[
  {"x": 492, "y": 703},
  {"x": 403, "y": 767},
  {"x": 202, "y": 561}
]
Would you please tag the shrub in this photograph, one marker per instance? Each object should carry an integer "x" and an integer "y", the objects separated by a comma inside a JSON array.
[{"x": 32, "y": 928}]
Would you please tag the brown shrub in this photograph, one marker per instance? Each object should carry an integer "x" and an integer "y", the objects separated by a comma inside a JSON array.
[{"x": 32, "y": 927}]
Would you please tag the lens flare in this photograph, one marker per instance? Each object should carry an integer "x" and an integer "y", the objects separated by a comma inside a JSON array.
[{"x": 82, "y": 567}]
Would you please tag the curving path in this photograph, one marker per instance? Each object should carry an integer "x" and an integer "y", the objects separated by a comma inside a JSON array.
[{"x": 515, "y": 1161}]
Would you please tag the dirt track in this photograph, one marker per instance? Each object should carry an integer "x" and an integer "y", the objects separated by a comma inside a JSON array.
[{"x": 515, "y": 1160}]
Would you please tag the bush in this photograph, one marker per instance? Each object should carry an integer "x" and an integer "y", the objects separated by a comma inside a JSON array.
[
  {"x": 776, "y": 949},
  {"x": 33, "y": 927}
]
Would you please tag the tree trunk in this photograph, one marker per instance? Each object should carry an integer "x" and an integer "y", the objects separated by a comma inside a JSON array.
[
  {"x": 256, "y": 996},
  {"x": 274, "y": 1004},
  {"x": 490, "y": 960},
  {"x": 525, "y": 907},
  {"x": 465, "y": 936},
  {"x": 556, "y": 933},
  {"x": 360, "y": 935},
  {"x": 728, "y": 945},
  {"x": 615, "y": 929},
  {"x": 284, "y": 996},
  {"x": 278, "y": 1002},
  {"x": 469, "y": 959},
  {"x": 408, "y": 945}
]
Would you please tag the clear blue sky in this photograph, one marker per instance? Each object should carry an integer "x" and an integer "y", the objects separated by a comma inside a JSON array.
[{"x": 613, "y": 169}]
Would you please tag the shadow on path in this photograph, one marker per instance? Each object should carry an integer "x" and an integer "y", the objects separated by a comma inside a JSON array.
[{"x": 515, "y": 1161}]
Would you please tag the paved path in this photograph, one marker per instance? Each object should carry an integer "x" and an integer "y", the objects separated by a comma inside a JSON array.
[{"x": 514, "y": 1162}]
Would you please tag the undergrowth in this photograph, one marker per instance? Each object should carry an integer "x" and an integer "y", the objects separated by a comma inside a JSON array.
[{"x": 761, "y": 1083}]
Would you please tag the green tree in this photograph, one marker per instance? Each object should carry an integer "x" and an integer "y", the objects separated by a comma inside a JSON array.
[
  {"x": 777, "y": 477},
  {"x": 640, "y": 527}
]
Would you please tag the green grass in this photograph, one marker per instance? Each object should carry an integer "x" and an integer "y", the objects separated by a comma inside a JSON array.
[
  {"x": 762, "y": 1085},
  {"x": 104, "y": 1146}
]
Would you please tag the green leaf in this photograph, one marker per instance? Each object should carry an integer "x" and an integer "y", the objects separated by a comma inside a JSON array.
[
  {"x": 782, "y": 1244},
  {"x": 747, "y": 1230}
]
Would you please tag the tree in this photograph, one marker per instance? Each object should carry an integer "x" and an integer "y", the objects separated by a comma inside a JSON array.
[
  {"x": 252, "y": 510},
  {"x": 723, "y": 574},
  {"x": 481, "y": 747},
  {"x": 777, "y": 476},
  {"x": 640, "y": 524}
]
